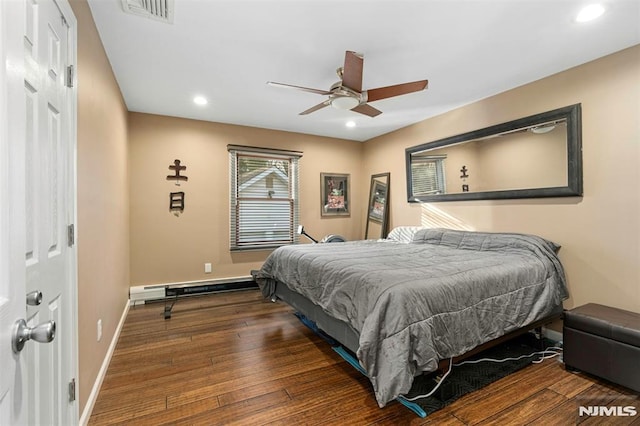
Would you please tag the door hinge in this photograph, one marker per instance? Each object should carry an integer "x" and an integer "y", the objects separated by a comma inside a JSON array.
[
  {"x": 72, "y": 390},
  {"x": 71, "y": 237},
  {"x": 70, "y": 76}
]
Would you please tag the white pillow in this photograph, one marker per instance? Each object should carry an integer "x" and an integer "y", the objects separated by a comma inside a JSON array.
[{"x": 403, "y": 234}]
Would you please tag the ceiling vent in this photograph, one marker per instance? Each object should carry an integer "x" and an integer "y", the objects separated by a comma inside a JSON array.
[{"x": 159, "y": 10}]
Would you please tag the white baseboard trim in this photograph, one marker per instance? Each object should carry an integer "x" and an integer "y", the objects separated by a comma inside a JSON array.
[
  {"x": 155, "y": 292},
  {"x": 93, "y": 396}
]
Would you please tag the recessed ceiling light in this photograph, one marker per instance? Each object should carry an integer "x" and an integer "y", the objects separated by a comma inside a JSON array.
[
  {"x": 589, "y": 13},
  {"x": 350, "y": 124},
  {"x": 200, "y": 100}
]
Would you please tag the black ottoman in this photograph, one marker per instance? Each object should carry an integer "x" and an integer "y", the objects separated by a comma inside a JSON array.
[{"x": 605, "y": 342}]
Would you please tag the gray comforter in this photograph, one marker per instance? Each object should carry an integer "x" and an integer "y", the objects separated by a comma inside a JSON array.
[{"x": 434, "y": 298}]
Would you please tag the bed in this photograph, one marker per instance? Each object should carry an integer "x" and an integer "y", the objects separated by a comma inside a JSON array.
[{"x": 404, "y": 306}]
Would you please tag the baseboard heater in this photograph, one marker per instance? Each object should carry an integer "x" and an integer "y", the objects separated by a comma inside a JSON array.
[{"x": 164, "y": 292}]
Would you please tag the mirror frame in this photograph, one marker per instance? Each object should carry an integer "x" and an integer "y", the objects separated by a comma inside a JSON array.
[
  {"x": 385, "y": 215},
  {"x": 571, "y": 113}
]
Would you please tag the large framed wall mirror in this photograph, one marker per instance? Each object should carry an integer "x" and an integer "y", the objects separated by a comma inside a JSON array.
[
  {"x": 532, "y": 157},
  {"x": 378, "y": 207}
]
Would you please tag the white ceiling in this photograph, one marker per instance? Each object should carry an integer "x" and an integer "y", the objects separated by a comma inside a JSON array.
[{"x": 228, "y": 50}]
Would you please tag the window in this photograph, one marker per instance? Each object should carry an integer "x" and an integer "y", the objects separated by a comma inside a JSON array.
[
  {"x": 428, "y": 175},
  {"x": 264, "y": 197}
]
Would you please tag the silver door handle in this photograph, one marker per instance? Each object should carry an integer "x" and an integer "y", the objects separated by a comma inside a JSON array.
[
  {"x": 43, "y": 333},
  {"x": 34, "y": 298}
]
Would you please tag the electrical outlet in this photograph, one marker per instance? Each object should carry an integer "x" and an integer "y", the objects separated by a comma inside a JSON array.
[
  {"x": 207, "y": 268},
  {"x": 99, "y": 329}
]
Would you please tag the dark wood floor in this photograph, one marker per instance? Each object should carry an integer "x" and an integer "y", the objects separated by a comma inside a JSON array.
[{"x": 234, "y": 358}]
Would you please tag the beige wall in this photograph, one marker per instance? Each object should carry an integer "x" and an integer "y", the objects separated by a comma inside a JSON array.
[
  {"x": 103, "y": 201},
  {"x": 166, "y": 248},
  {"x": 600, "y": 232}
]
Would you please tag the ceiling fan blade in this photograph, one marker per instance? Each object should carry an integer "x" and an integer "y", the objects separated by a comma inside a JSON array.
[
  {"x": 396, "y": 90},
  {"x": 315, "y": 108},
  {"x": 352, "y": 71},
  {"x": 367, "y": 110},
  {"x": 306, "y": 89}
]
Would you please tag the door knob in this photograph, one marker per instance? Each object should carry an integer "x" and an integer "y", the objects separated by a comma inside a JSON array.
[
  {"x": 34, "y": 298},
  {"x": 43, "y": 333}
]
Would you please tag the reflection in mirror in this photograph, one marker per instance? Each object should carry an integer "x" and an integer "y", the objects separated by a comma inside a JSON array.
[
  {"x": 536, "y": 156},
  {"x": 378, "y": 207}
]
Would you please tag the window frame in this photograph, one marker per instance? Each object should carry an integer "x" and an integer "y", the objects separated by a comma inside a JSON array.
[{"x": 236, "y": 154}]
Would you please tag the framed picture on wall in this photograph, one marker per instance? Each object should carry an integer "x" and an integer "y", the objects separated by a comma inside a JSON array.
[{"x": 334, "y": 194}]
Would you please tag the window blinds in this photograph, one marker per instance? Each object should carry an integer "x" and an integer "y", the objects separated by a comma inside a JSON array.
[
  {"x": 428, "y": 176},
  {"x": 264, "y": 198}
]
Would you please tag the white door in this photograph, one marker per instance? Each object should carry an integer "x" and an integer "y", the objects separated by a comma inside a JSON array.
[{"x": 40, "y": 171}]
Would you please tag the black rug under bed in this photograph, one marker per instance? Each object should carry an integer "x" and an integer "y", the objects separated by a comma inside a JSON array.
[{"x": 468, "y": 378}]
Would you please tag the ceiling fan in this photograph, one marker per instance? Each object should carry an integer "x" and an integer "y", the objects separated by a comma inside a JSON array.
[{"x": 348, "y": 94}]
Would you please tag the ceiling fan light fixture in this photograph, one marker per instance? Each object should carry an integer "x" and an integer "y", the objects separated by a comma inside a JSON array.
[
  {"x": 344, "y": 102},
  {"x": 348, "y": 94}
]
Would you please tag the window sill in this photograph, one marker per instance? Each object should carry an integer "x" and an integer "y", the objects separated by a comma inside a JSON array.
[{"x": 257, "y": 248}]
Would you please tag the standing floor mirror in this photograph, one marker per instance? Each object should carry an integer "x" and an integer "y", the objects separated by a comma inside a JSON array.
[{"x": 378, "y": 207}]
